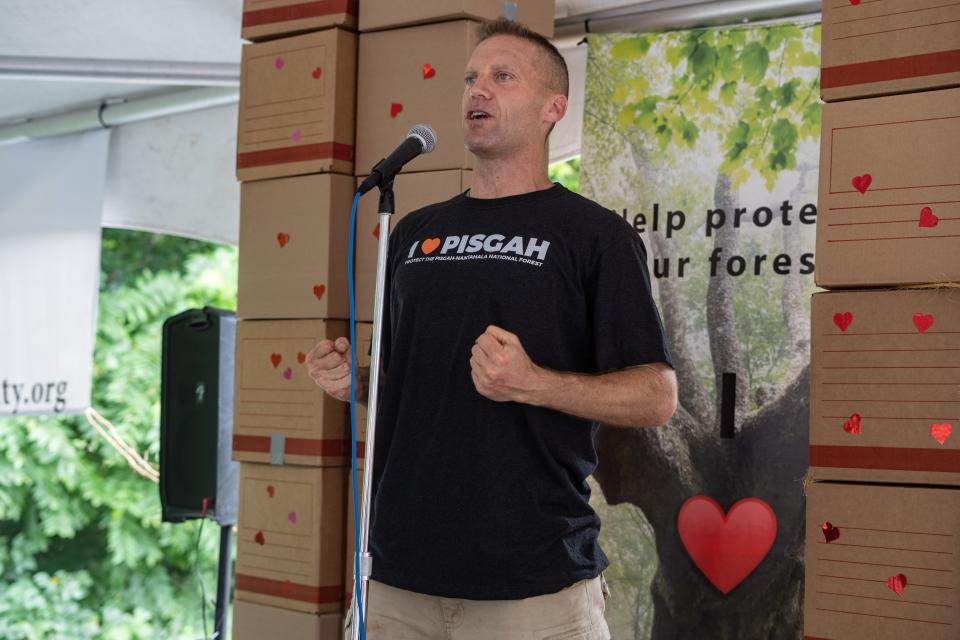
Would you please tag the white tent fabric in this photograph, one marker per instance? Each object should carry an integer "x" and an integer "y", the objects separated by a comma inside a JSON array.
[
  {"x": 49, "y": 271},
  {"x": 176, "y": 175}
]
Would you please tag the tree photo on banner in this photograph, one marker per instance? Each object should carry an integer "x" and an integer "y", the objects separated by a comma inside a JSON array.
[{"x": 707, "y": 143}]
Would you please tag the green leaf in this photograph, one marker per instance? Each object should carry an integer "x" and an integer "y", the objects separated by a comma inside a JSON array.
[
  {"x": 631, "y": 48},
  {"x": 703, "y": 60},
  {"x": 785, "y": 94},
  {"x": 755, "y": 59},
  {"x": 728, "y": 92}
]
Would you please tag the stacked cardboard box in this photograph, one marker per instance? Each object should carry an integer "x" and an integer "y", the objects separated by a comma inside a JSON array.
[
  {"x": 295, "y": 159},
  {"x": 883, "y": 508}
]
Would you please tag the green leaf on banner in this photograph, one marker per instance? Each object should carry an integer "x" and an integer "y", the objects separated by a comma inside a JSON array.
[
  {"x": 755, "y": 59},
  {"x": 631, "y": 48},
  {"x": 728, "y": 92}
]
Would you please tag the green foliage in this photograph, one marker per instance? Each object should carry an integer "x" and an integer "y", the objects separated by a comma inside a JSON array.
[
  {"x": 567, "y": 173},
  {"x": 730, "y": 82},
  {"x": 83, "y": 553}
]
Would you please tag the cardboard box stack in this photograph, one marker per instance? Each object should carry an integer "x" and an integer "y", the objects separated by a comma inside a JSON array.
[
  {"x": 883, "y": 507},
  {"x": 295, "y": 148}
]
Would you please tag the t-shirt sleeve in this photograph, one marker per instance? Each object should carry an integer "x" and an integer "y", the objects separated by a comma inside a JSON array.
[{"x": 627, "y": 329}]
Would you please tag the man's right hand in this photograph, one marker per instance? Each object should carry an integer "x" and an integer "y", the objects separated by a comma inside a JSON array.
[{"x": 329, "y": 365}]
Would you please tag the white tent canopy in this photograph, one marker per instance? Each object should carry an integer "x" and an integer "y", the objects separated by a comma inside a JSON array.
[{"x": 75, "y": 65}]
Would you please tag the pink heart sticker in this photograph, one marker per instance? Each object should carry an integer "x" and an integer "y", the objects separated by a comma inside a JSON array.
[
  {"x": 292, "y": 517},
  {"x": 278, "y": 63},
  {"x": 287, "y": 373},
  {"x": 296, "y": 135}
]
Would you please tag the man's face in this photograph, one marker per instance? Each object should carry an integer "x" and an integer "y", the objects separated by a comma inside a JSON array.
[{"x": 503, "y": 82}]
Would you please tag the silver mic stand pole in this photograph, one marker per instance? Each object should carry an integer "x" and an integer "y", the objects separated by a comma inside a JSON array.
[{"x": 386, "y": 209}]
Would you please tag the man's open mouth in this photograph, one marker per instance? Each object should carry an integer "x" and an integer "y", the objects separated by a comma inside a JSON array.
[{"x": 477, "y": 115}]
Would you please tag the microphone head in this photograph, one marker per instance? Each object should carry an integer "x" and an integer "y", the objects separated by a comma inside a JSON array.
[{"x": 427, "y": 136}]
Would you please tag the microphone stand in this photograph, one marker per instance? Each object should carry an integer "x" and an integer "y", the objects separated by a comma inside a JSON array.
[{"x": 386, "y": 209}]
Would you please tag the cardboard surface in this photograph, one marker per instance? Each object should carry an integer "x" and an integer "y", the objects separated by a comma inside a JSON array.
[
  {"x": 885, "y": 386},
  {"x": 280, "y": 414},
  {"x": 259, "y": 622},
  {"x": 904, "y": 227},
  {"x": 297, "y": 100},
  {"x": 290, "y": 544},
  {"x": 294, "y": 236},
  {"x": 877, "y": 533},
  {"x": 395, "y": 91},
  {"x": 412, "y": 191},
  {"x": 267, "y": 19},
  {"x": 878, "y": 48},
  {"x": 350, "y": 537},
  {"x": 537, "y": 15}
]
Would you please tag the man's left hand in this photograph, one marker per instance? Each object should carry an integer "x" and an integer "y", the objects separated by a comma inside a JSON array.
[{"x": 500, "y": 367}]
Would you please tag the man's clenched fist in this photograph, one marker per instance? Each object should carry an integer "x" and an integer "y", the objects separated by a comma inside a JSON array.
[
  {"x": 329, "y": 365},
  {"x": 500, "y": 367}
]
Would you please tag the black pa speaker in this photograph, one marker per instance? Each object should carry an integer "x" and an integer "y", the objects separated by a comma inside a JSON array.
[{"x": 197, "y": 476}]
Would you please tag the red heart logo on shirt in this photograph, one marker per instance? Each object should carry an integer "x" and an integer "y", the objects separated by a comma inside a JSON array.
[
  {"x": 843, "y": 320},
  {"x": 853, "y": 424},
  {"x": 830, "y": 532},
  {"x": 319, "y": 290},
  {"x": 941, "y": 432},
  {"x": 275, "y": 358},
  {"x": 897, "y": 583},
  {"x": 430, "y": 245},
  {"x": 862, "y": 183},
  {"x": 928, "y": 218},
  {"x": 922, "y": 321},
  {"x": 395, "y": 109},
  {"x": 428, "y": 72},
  {"x": 283, "y": 239}
]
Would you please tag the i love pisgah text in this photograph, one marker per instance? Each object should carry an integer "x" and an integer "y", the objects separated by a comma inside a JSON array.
[{"x": 480, "y": 246}]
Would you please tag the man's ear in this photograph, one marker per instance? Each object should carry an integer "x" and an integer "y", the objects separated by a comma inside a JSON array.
[{"x": 555, "y": 108}]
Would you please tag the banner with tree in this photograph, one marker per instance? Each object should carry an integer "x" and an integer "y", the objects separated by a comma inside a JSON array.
[{"x": 707, "y": 143}]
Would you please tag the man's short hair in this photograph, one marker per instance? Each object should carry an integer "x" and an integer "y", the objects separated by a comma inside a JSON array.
[{"x": 557, "y": 77}]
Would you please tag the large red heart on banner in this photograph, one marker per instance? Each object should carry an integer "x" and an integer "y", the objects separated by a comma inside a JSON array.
[{"x": 726, "y": 547}]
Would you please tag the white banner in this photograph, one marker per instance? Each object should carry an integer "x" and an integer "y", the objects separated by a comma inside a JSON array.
[{"x": 51, "y": 197}]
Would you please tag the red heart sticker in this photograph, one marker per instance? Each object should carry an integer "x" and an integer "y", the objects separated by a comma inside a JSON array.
[
  {"x": 897, "y": 583},
  {"x": 941, "y": 432},
  {"x": 259, "y": 539},
  {"x": 275, "y": 358},
  {"x": 319, "y": 290},
  {"x": 376, "y": 231},
  {"x": 430, "y": 245},
  {"x": 854, "y": 2},
  {"x": 830, "y": 532},
  {"x": 928, "y": 218},
  {"x": 862, "y": 183},
  {"x": 853, "y": 424},
  {"x": 922, "y": 321},
  {"x": 428, "y": 71},
  {"x": 301, "y": 357},
  {"x": 726, "y": 548},
  {"x": 270, "y": 490},
  {"x": 288, "y": 373},
  {"x": 316, "y": 73},
  {"x": 283, "y": 239},
  {"x": 843, "y": 320},
  {"x": 395, "y": 109}
]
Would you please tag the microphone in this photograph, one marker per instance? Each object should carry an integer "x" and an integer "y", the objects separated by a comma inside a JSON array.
[{"x": 420, "y": 139}]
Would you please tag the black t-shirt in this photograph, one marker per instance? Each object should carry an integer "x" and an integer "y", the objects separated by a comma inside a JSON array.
[{"x": 489, "y": 500}]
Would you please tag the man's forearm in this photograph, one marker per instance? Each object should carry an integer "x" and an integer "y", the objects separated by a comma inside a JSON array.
[{"x": 638, "y": 396}]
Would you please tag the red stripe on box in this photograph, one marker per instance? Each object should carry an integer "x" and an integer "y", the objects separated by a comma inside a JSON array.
[
  {"x": 299, "y": 12},
  {"x": 302, "y": 153},
  {"x": 289, "y": 590},
  {"x": 892, "y": 458},
  {"x": 297, "y": 446},
  {"x": 927, "y": 64}
]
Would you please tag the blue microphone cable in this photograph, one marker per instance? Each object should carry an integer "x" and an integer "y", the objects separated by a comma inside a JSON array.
[{"x": 353, "y": 420}]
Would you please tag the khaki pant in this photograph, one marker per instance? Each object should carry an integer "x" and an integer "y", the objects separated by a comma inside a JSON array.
[{"x": 573, "y": 613}]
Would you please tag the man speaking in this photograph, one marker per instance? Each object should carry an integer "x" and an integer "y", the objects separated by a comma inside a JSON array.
[{"x": 519, "y": 317}]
